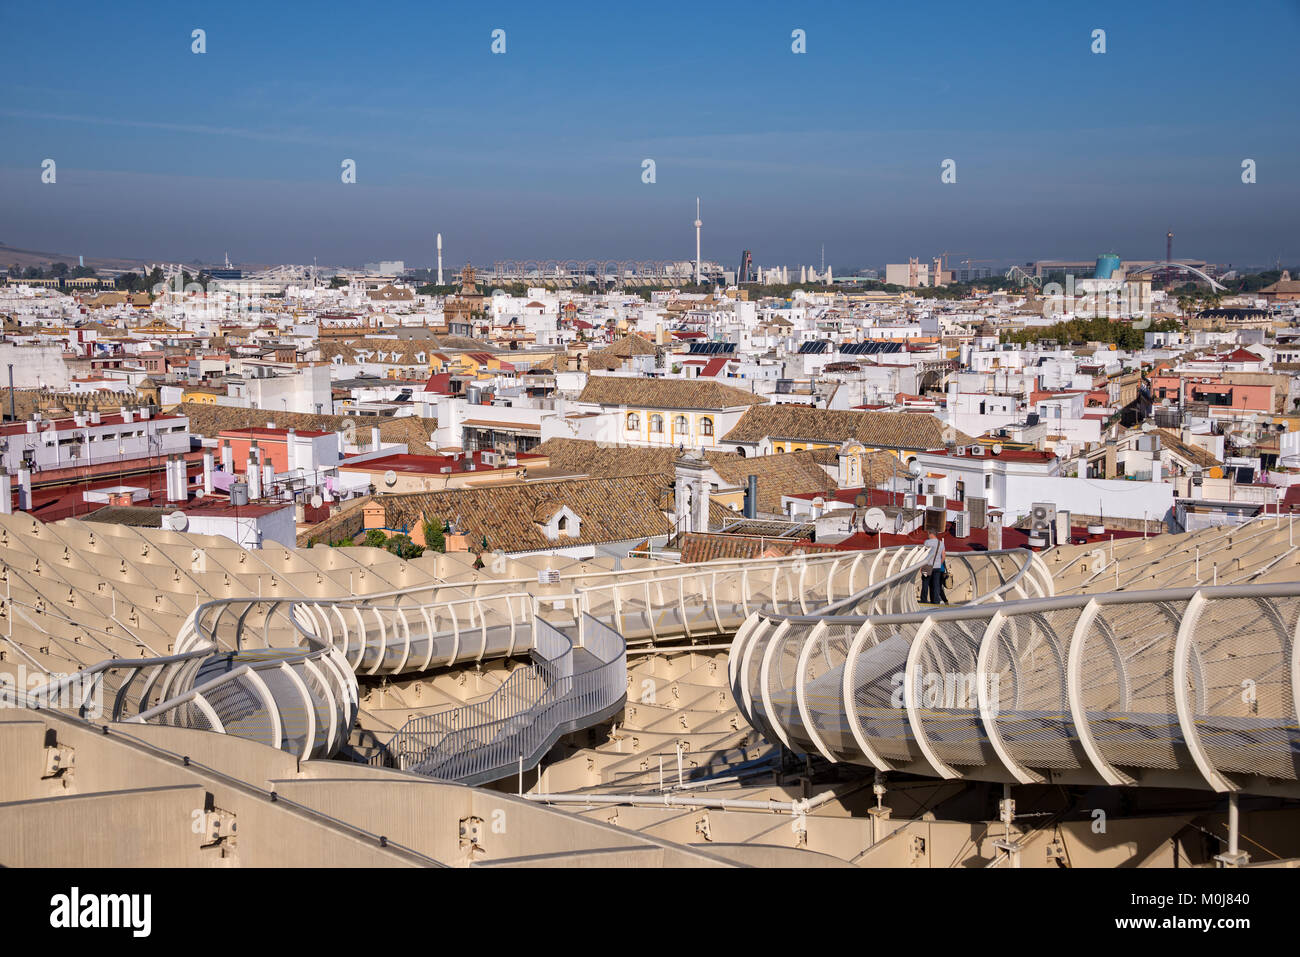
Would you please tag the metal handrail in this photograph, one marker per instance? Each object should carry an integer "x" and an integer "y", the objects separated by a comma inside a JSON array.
[
  {"x": 486, "y": 740},
  {"x": 1122, "y": 688}
]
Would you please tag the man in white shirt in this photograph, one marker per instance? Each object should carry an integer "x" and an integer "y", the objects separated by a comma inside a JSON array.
[{"x": 932, "y": 590}]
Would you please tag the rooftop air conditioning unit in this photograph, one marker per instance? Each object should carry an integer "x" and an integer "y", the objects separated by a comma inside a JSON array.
[
  {"x": 959, "y": 450},
  {"x": 1042, "y": 516},
  {"x": 489, "y": 458},
  {"x": 961, "y": 525},
  {"x": 909, "y": 500},
  {"x": 978, "y": 508}
]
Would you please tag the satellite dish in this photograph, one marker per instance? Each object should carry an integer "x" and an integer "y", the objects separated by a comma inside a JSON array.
[
  {"x": 178, "y": 521},
  {"x": 390, "y": 478},
  {"x": 874, "y": 520},
  {"x": 317, "y": 501},
  {"x": 997, "y": 448}
]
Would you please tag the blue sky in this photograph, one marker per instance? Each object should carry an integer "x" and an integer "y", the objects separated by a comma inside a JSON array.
[{"x": 537, "y": 153}]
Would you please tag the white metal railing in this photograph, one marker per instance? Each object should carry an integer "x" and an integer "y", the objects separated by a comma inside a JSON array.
[
  {"x": 516, "y": 725},
  {"x": 1187, "y": 687},
  {"x": 283, "y": 670},
  {"x": 300, "y": 698}
]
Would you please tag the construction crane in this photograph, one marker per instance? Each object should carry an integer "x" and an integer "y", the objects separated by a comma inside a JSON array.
[
  {"x": 1016, "y": 274},
  {"x": 967, "y": 263}
]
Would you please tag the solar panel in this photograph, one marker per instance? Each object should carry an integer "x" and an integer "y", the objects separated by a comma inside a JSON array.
[
  {"x": 870, "y": 348},
  {"x": 814, "y": 348},
  {"x": 711, "y": 348}
]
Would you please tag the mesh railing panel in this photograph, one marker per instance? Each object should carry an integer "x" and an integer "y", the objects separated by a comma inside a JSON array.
[
  {"x": 1146, "y": 733},
  {"x": 947, "y": 693},
  {"x": 1027, "y": 686},
  {"x": 878, "y": 694},
  {"x": 823, "y": 691},
  {"x": 1241, "y": 692}
]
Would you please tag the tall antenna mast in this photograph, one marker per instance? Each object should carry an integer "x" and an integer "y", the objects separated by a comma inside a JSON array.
[{"x": 698, "y": 224}]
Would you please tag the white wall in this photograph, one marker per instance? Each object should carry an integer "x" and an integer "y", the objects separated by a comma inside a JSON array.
[
  {"x": 34, "y": 366},
  {"x": 1115, "y": 498}
]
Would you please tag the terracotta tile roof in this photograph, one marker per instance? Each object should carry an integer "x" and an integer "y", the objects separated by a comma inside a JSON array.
[
  {"x": 610, "y": 509},
  {"x": 885, "y": 430},
  {"x": 597, "y": 460},
  {"x": 708, "y": 547},
  {"x": 1192, "y": 453},
  {"x": 628, "y": 346},
  {"x": 665, "y": 393},
  {"x": 209, "y": 420},
  {"x": 777, "y": 474}
]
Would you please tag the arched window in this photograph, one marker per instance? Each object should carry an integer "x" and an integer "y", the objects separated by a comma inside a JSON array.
[
  {"x": 679, "y": 425},
  {"x": 563, "y": 523},
  {"x": 656, "y": 423},
  {"x": 633, "y": 422},
  {"x": 706, "y": 426}
]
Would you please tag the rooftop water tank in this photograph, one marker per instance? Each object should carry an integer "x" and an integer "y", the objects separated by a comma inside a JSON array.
[{"x": 1107, "y": 266}]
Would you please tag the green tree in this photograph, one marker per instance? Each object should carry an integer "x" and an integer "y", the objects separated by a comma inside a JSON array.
[
  {"x": 403, "y": 547},
  {"x": 375, "y": 538},
  {"x": 434, "y": 540}
]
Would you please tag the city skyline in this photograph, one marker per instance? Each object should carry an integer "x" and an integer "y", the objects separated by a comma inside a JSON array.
[{"x": 538, "y": 152}]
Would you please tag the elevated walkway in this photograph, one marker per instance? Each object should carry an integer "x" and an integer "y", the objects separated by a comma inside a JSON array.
[{"x": 1188, "y": 687}]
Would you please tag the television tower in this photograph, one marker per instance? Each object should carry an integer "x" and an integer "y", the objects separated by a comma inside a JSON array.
[
  {"x": 440, "y": 259},
  {"x": 698, "y": 224}
]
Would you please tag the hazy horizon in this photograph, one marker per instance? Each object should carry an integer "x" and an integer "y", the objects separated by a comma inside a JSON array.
[{"x": 537, "y": 153}]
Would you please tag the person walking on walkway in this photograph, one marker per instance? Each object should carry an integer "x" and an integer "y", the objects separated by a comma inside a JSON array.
[{"x": 932, "y": 591}]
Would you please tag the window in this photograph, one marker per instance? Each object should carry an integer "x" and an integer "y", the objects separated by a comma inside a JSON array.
[
  {"x": 656, "y": 423},
  {"x": 706, "y": 426},
  {"x": 679, "y": 425},
  {"x": 563, "y": 523},
  {"x": 633, "y": 422}
]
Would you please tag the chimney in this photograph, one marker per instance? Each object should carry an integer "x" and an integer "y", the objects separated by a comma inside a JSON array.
[
  {"x": 374, "y": 439},
  {"x": 177, "y": 491},
  {"x": 291, "y": 450},
  {"x": 227, "y": 457},
  {"x": 79, "y": 419},
  {"x": 33, "y": 423},
  {"x": 254, "y": 475},
  {"x": 145, "y": 412},
  {"x": 6, "y": 492},
  {"x": 127, "y": 415},
  {"x": 1111, "y": 466},
  {"x": 24, "y": 489},
  {"x": 751, "y": 496},
  {"x": 208, "y": 458},
  {"x": 95, "y": 417}
]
